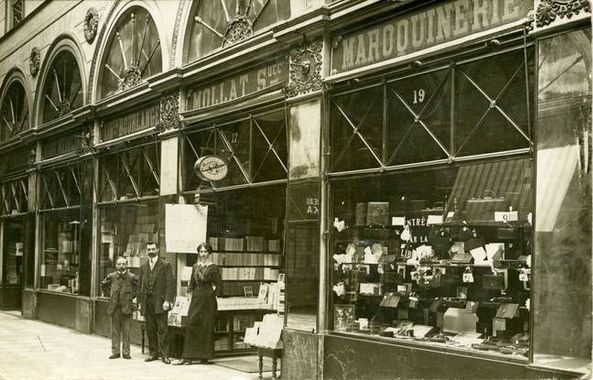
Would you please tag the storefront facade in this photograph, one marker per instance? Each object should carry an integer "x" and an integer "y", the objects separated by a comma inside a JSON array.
[{"x": 400, "y": 180}]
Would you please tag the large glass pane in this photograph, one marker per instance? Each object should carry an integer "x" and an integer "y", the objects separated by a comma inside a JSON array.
[
  {"x": 125, "y": 230},
  {"x": 14, "y": 112},
  {"x": 62, "y": 91},
  {"x": 562, "y": 284},
  {"x": 60, "y": 251},
  {"x": 409, "y": 264},
  {"x": 419, "y": 125},
  {"x": 357, "y": 130},
  {"x": 133, "y": 53},
  {"x": 221, "y": 23},
  {"x": 491, "y": 104}
]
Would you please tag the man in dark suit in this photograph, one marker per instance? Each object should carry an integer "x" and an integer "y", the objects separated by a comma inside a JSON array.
[
  {"x": 123, "y": 286},
  {"x": 157, "y": 294}
]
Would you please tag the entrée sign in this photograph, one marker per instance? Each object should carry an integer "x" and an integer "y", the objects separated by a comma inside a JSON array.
[
  {"x": 427, "y": 27},
  {"x": 238, "y": 86}
]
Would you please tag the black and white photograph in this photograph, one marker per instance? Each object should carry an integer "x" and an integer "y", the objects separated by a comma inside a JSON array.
[{"x": 296, "y": 189}]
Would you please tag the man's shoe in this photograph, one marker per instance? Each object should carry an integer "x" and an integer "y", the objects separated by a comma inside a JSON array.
[
  {"x": 166, "y": 360},
  {"x": 151, "y": 358},
  {"x": 114, "y": 356},
  {"x": 127, "y": 357}
]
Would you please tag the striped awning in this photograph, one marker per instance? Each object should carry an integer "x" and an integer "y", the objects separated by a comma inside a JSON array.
[{"x": 508, "y": 180}]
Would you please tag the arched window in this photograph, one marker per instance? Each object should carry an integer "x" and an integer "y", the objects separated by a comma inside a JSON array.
[
  {"x": 14, "y": 112},
  {"x": 62, "y": 90},
  {"x": 133, "y": 52},
  {"x": 216, "y": 24}
]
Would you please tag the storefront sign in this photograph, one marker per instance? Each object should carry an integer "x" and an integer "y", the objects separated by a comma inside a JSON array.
[
  {"x": 130, "y": 123},
  {"x": 427, "y": 27},
  {"x": 304, "y": 202},
  {"x": 238, "y": 86},
  {"x": 67, "y": 143}
]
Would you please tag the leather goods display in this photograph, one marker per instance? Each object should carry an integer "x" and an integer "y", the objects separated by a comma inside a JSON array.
[{"x": 493, "y": 281}]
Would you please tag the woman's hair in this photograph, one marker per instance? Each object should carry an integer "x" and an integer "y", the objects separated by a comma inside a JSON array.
[{"x": 207, "y": 246}]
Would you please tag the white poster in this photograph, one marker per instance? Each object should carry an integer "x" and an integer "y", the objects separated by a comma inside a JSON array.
[{"x": 185, "y": 227}]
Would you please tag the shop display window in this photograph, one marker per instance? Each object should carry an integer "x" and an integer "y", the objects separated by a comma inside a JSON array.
[
  {"x": 253, "y": 149},
  {"x": 217, "y": 25},
  {"x": 60, "y": 251},
  {"x": 14, "y": 197},
  {"x": 562, "y": 240},
  {"x": 441, "y": 257},
  {"x": 125, "y": 230},
  {"x": 130, "y": 175},
  {"x": 415, "y": 119}
]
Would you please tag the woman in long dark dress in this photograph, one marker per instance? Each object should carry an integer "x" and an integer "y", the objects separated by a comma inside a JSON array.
[{"x": 198, "y": 344}]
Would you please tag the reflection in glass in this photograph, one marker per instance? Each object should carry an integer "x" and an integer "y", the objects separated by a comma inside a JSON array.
[
  {"x": 562, "y": 286},
  {"x": 217, "y": 24},
  {"x": 14, "y": 112},
  {"x": 254, "y": 149},
  {"x": 62, "y": 91},
  {"x": 133, "y": 53}
]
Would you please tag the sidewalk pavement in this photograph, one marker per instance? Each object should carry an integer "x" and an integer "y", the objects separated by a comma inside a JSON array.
[{"x": 31, "y": 350}]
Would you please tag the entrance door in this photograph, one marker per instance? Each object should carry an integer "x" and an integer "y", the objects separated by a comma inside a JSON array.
[{"x": 12, "y": 264}]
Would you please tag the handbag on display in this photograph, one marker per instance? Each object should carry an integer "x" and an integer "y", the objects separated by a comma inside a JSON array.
[{"x": 493, "y": 281}]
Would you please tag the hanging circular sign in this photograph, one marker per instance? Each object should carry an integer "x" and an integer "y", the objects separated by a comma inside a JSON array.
[{"x": 211, "y": 168}]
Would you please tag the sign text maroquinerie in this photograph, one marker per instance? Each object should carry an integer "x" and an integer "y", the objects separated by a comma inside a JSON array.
[
  {"x": 238, "y": 86},
  {"x": 130, "y": 123},
  {"x": 427, "y": 27}
]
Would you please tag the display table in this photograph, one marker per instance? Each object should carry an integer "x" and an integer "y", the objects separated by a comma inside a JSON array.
[{"x": 273, "y": 353}]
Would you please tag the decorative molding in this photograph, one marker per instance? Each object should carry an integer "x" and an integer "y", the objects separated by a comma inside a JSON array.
[
  {"x": 237, "y": 30},
  {"x": 87, "y": 139},
  {"x": 549, "y": 10},
  {"x": 176, "y": 31},
  {"x": 91, "y": 25},
  {"x": 32, "y": 157},
  {"x": 169, "y": 112},
  {"x": 34, "y": 61},
  {"x": 304, "y": 72}
]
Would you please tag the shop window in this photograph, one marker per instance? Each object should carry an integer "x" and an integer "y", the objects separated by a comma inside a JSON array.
[
  {"x": 219, "y": 24},
  {"x": 13, "y": 197},
  {"x": 131, "y": 174},
  {"x": 133, "y": 53},
  {"x": 253, "y": 150},
  {"x": 125, "y": 230},
  {"x": 415, "y": 120},
  {"x": 439, "y": 257},
  {"x": 62, "y": 91},
  {"x": 492, "y": 113},
  {"x": 60, "y": 256},
  {"x": 419, "y": 125},
  {"x": 64, "y": 199},
  {"x": 562, "y": 280},
  {"x": 60, "y": 187},
  {"x": 14, "y": 112},
  {"x": 357, "y": 129}
]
